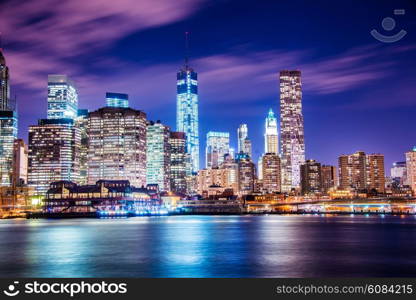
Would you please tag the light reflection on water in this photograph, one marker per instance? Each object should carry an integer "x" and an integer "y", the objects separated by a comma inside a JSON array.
[{"x": 210, "y": 246}]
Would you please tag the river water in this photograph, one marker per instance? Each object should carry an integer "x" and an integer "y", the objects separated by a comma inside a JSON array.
[{"x": 210, "y": 246}]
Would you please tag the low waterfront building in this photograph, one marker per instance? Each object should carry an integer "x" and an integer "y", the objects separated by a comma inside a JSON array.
[{"x": 104, "y": 195}]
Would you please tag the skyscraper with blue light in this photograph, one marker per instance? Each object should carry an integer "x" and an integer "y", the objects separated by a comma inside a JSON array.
[
  {"x": 62, "y": 98},
  {"x": 117, "y": 100},
  {"x": 187, "y": 111}
]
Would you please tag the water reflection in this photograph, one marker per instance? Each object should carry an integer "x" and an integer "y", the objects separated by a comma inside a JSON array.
[{"x": 210, "y": 246}]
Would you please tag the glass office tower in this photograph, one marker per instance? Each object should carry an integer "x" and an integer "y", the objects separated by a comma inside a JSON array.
[
  {"x": 117, "y": 100},
  {"x": 62, "y": 98},
  {"x": 158, "y": 155}
]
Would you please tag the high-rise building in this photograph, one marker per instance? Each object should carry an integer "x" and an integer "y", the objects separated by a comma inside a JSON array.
[
  {"x": 359, "y": 171},
  {"x": 8, "y": 125},
  {"x": 329, "y": 177},
  {"x": 62, "y": 98},
  {"x": 187, "y": 120},
  {"x": 20, "y": 163},
  {"x": 411, "y": 168},
  {"x": 117, "y": 100},
  {"x": 8, "y": 134},
  {"x": 246, "y": 174},
  {"x": 178, "y": 157},
  {"x": 352, "y": 171},
  {"x": 398, "y": 172},
  {"x": 217, "y": 145},
  {"x": 117, "y": 145},
  {"x": 375, "y": 172},
  {"x": 271, "y": 173},
  {"x": 4, "y": 84},
  {"x": 247, "y": 147},
  {"x": 82, "y": 123},
  {"x": 53, "y": 153},
  {"x": 292, "y": 144},
  {"x": 242, "y": 133},
  {"x": 310, "y": 174},
  {"x": 158, "y": 155},
  {"x": 271, "y": 140}
]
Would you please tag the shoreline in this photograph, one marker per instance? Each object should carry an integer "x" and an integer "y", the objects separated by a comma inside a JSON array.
[{"x": 94, "y": 215}]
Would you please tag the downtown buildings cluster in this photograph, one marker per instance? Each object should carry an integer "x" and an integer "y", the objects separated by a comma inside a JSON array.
[{"x": 116, "y": 146}]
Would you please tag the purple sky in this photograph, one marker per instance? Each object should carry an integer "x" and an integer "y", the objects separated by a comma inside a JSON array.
[{"x": 358, "y": 93}]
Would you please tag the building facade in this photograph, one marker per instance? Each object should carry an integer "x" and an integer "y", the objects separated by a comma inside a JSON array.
[
  {"x": 62, "y": 98},
  {"x": 4, "y": 84},
  {"x": 178, "y": 157},
  {"x": 292, "y": 145},
  {"x": 246, "y": 174},
  {"x": 8, "y": 134},
  {"x": 117, "y": 100},
  {"x": 158, "y": 155},
  {"x": 117, "y": 145},
  {"x": 411, "y": 168},
  {"x": 53, "y": 153},
  {"x": 376, "y": 178},
  {"x": 398, "y": 172},
  {"x": 359, "y": 171},
  {"x": 329, "y": 177},
  {"x": 271, "y": 173},
  {"x": 20, "y": 163},
  {"x": 311, "y": 180},
  {"x": 8, "y": 125},
  {"x": 82, "y": 123},
  {"x": 271, "y": 139},
  {"x": 187, "y": 119},
  {"x": 217, "y": 146}
]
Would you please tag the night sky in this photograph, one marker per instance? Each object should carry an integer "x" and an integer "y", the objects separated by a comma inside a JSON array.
[{"x": 358, "y": 93}]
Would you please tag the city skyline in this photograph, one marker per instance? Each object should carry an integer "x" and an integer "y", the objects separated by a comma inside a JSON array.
[{"x": 352, "y": 68}]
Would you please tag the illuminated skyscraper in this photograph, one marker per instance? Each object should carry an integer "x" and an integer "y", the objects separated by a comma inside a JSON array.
[
  {"x": 8, "y": 125},
  {"x": 398, "y": 172},
  {"x": 117, "y": 145},
  {"x": 271, "y": 173},
  {"x": 217, "y": 145},
  {"x": 352, "y": 171},
  {"x": 178, "y": 157},
  {"x": 82, "y": 123},
  {"x": 311, "y": 177},
  {"x": 187, "y": 111},
  {"x": 53, "y": 153},
  {"x": 8, "y": 133},
  {"x": 292, "y": 145},
  {"x": 4, "y": 83},
  {"x": 375, "y": 172},
  {"x": 329, "y": 177},
  {"x": 242, "y": 133},
  {"x": 20, "y": 157},
  {"x": 411, "y": 168},
  {"x": 246, "y": 174},
  {"x": 62, "y": 98},
  {"x": 360, "y": 171},
  {"x": 117, "y": 100},
  {"x": 158, "y": 155},
  {"x": 271, "y": 140},
  {"x": 244, "y": 144}
]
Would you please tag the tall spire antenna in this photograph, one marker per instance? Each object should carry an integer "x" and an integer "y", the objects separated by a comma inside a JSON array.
[{"x": 186, "y": 49}]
